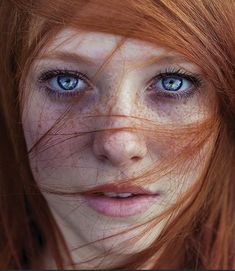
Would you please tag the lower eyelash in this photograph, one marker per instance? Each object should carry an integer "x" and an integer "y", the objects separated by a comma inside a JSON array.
[
  {"x": 55, "y": 95},
  {"x": 178, "y": 96}
]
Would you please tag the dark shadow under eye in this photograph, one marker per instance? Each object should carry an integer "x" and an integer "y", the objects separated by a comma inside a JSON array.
[
  {"x": 172, "y": 83},
  {"x": 67, "y": 82}
]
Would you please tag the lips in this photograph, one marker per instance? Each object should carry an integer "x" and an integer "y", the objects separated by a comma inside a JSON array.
[
  {"x": 119, "y": 200},
  {"x": 120, "y": 188}
]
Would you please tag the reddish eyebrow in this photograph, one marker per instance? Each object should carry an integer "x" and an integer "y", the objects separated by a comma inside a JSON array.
[
  {"x": 161, "y": 60},
  {"x": 68, "y": 56}
]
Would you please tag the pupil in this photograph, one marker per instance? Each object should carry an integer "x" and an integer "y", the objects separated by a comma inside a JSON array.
[
  {"x": 67, "y": 83},
  {"x": 172, "y": 84}
]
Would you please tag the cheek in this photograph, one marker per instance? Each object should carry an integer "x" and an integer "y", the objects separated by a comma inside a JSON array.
[
  {"x": 42, "y": 116},
  {"x": 183, "y": 164},
  {"x": 195, "y": 108},
  {"x": 191, "y": 171},
  {"x": 56, "y": 145}
]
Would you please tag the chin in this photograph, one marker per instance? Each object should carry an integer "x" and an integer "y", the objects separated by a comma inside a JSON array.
[{"x": 129, "y": 243}]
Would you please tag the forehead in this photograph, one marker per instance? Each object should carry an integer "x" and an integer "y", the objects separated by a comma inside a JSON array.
[{"x": 97, "y": 47}]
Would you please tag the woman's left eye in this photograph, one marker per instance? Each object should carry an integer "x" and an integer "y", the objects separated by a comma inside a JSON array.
[
  {"x": 171, "y": 83},
  {"x": 175, "y": 83}
]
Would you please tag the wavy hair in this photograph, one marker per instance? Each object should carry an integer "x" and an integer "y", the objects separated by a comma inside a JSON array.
[{"x": 201, "y": 235}]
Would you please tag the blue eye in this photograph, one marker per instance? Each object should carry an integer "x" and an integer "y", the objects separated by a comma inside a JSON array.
[
  {"x": 67, "y": 83},
  {"x": 175, "y": 83},
  {"x": 64, "y": 83},
  {"x": 171, "y": 84}
]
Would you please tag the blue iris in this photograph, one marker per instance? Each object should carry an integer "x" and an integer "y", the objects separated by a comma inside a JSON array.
[
  {"x": 67, "y": 82},
  {"x": 172, "y": 83}
]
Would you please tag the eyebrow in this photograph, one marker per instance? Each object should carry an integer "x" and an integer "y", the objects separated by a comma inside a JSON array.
[
  {"x": 161, "y": 60},
  {"x": 67, "y": 56}
]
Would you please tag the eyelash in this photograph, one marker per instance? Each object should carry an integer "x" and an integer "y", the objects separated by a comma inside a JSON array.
[{"x": 194, "y": 79}]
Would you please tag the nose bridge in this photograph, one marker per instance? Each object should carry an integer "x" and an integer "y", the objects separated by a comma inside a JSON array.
[
  {"x": 125, "y": 101},
  {"x": 122, "y": 96},
  {"x": 119, "y": 142},
  {"x": 113, "y": 144}
]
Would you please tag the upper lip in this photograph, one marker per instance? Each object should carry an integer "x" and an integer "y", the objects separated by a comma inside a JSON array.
[{"x": 120, "y": 188}]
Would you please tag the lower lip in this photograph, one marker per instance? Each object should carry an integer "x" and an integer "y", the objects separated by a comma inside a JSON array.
[{"x": 120, "y": 207}]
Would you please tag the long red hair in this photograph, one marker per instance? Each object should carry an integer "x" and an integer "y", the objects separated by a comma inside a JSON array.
[{"x": 202, "y": 235}]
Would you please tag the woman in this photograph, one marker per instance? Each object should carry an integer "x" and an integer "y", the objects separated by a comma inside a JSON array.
[{"x": 117, "y": 134}]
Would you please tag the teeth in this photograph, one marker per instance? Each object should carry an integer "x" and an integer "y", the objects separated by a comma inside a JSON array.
[{"x": 120, "y": 195}]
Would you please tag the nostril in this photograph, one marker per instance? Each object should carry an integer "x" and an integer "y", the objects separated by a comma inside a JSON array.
[
  {"x": 102, "y": 157},
  {"x": 135, "y": 158}
]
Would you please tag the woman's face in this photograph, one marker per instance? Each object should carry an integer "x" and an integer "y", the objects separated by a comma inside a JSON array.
[{"x": 126, "y": 84}]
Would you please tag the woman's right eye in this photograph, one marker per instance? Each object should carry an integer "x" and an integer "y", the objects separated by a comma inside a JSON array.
[
  {"x": 64, "y": 83},
  {"x": 67, "y": 83}
]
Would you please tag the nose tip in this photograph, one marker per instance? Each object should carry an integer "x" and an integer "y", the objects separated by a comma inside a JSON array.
[{"x": 119, "y": 148}]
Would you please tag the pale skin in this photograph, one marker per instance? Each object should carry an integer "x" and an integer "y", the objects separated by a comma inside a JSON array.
[{"x": 81, "y": 163}]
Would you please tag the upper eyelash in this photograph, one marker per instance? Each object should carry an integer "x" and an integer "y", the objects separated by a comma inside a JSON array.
[
  {"x": 194, "y": 78},
  {"x": 51, "y": 73}
]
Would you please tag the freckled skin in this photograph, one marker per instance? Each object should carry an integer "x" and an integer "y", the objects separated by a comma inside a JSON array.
[{"x": 76, "y": 163}]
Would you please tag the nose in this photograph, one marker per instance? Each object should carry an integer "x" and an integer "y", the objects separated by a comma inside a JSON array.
[{"x": 119, "y": 148}]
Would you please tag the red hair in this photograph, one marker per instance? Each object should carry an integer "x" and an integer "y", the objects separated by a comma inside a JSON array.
[{"x": 204, "y": 32}]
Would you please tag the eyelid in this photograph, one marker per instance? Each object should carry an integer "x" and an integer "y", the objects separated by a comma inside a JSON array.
[{"x": 195, "y": 78}]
